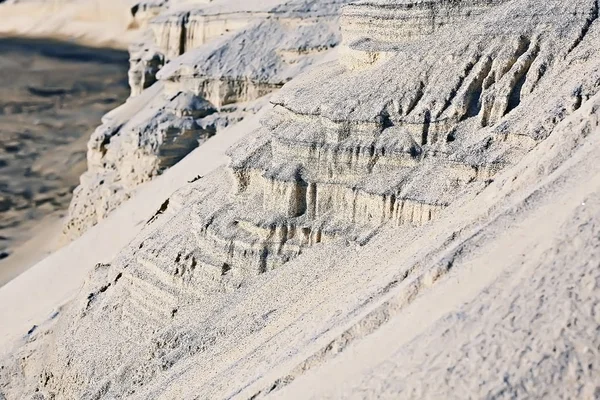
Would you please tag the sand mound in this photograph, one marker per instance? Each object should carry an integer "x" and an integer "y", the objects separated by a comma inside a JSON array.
[
  {"x": 205, "y": 66},
  {"x": 417, "y": 219}
]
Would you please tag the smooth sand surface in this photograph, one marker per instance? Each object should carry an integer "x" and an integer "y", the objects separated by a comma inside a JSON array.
[{"x": 46, "y": 238}]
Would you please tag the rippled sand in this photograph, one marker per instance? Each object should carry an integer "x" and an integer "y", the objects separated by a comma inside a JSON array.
[{"x": 52, "y": 96}]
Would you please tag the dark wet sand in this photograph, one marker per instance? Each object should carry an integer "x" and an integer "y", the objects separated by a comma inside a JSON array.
[{"x": 52, "y": 96}]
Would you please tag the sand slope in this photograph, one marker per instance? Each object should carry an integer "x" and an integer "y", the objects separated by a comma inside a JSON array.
[
  {"x": 418, "y": 219},
  {"x": 516, "y": 316},
  {"x": 44, "y": 288},
  {"x": 331, "y": 327},
  {"x": 93, "y": 22}
]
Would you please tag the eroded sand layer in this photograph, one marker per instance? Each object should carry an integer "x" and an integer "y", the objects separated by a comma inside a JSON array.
[{"x": 418, "y": 218}]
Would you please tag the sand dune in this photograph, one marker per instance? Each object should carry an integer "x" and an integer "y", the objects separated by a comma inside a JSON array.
[
  {"x": 415, "y": 215},
  {"x": 46, "y": 287}
]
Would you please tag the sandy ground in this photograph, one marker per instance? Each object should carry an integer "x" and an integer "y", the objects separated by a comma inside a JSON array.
[
  {"x": 518, "y": 317},
  {"x": 52, "y": 96}
]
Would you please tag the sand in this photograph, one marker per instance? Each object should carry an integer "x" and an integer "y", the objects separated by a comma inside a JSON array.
[
  {"x": 44, "y": 288},
  {"x": 90, "y": 22},
  {"x": 417, "y": 219},
  {"x": 53, "y": 95}
]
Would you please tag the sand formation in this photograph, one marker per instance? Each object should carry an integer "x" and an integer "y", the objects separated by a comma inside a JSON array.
[
  {"x": 222, "y": 60},
  {"x": 417, "y": 218}
]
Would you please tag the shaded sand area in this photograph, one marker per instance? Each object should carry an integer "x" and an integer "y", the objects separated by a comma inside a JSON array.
[{"x": 52, "y": 96}]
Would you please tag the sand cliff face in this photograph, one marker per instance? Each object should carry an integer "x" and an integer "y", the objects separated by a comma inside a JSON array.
[
  {"x": 374, "y": 150},
  {"x": 198, "y": 68},
  {"x": 451, "y": 140}
]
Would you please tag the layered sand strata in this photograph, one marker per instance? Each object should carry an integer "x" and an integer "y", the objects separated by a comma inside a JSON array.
[
  {"x": 408, "y": 228},
  {"x": 206, "y": 89}
]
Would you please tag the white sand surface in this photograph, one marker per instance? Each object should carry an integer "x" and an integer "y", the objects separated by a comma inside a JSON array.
[
  {"x": 34, "y": 295},
  {"x": 512, "y": 283},
  {"x": 45, "y": 240}
]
